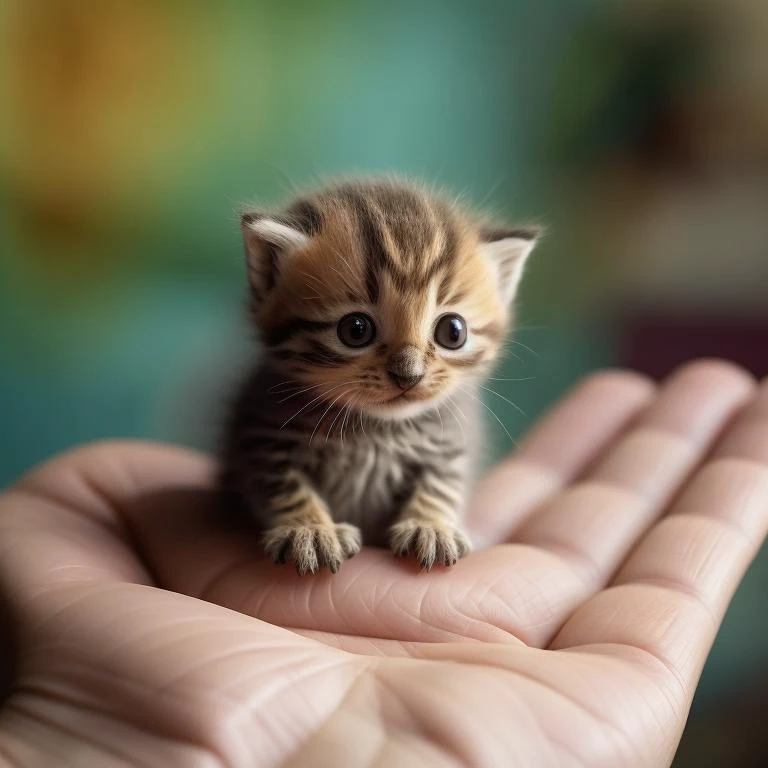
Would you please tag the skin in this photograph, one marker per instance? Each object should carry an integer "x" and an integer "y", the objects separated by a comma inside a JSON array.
[{"x": 150, "y": 634}]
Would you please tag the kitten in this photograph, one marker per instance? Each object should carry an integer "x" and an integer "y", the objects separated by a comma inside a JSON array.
[{"x": 380, "y": 307}]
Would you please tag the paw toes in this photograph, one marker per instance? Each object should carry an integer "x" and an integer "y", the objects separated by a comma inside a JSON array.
[
  {"x": 426, "y": 547},
  {"x": 277, "y": 543},
  {"x": 304, "y": 551},
  {"x": 349, "y": 538},
  {"x": 430, "y": 544},
  {"x": 447, "y": 548},
  {"x": 463, "y": 544},
  {"x": 328, "y": 549},
  {"x": 311, "y": 547},
  {"x": 401, "y": 538}
]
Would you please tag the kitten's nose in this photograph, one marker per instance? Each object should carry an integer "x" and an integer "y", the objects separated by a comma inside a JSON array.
[
  {"x": 406, "y": 367},
  {"x": 405, "y": 382}
]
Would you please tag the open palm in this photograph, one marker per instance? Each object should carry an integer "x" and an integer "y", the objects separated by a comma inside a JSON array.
[{"x": 151, "y": 633}]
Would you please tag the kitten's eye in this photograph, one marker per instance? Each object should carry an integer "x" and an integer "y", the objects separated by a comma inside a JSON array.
[
  {"x": 356, "y": 330},
  {"x": 451, "y": 331}
]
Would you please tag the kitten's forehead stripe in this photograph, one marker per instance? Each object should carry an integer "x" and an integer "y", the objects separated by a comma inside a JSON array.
[
  {"x": 369, "y": 235},
  {"x": 401, "y": 231},
  {"x": 376, "y": 256},
  {"x": 410, "y": 219},
  {"x": 411, "y": 223}
]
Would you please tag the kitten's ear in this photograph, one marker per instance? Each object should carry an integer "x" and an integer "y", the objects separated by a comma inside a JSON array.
[
  {"x": 267, "y": 240},
  {"x": 508, "y": 250}
]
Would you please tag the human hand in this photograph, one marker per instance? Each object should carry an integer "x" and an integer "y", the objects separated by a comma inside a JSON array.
[{"x": 150, "y": 633}]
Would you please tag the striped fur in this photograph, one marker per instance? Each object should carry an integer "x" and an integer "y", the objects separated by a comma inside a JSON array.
[{"x": 325, "y": 447}]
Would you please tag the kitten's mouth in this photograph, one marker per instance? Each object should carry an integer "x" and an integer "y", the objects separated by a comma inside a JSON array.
[
  {"x": 403, "y": 404},
  {"x": 401, "y": 398},
  {"x": 405, "y": 397}
]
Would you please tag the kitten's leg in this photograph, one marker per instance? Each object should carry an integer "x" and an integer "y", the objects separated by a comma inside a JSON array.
[
  {"x": 301, "y": 530},
  {"x": 428, "y": 527}
]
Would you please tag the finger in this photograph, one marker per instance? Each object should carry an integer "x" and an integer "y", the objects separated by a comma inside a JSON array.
[
  {"x": 594, "y": 524},
  {"x": 558, "y": 449},
  {"x": 671, "y": 595}
]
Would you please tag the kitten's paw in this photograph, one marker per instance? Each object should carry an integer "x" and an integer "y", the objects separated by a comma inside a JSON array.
[
  {"x": 350, "y": 539},
  {"x": 311, "y": 546},
  {"x": 430, "y": 542}
]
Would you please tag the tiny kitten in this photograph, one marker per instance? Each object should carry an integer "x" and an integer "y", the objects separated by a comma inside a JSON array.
[{"x": 381, "y": 306}]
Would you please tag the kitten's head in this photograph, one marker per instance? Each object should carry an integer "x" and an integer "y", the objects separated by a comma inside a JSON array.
[{"x": 380, "y": 295}]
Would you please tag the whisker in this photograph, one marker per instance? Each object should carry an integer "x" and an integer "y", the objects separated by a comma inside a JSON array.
[
  {"x": 314, "y": 386},
  {"x": 319, "y": 397},
  {"x": 506, "y": 351},
  {"x": 298, "y": 392},
  {"x": 442, "y": 426},
  {"x": 352, "y": 406},
  {"x": 524, "y": 346},
  {"x": 283, "y": 383},
  {"x": 495, "y": 416},
  {"x": 362, "y": 426},
  {"x": 344, "y": 421},
  {"x": 458, "y": 408},
  {"x": 335, "y": 418},
  {"x": 505, "y": 399},
  {"x": 320, "y": 420},
  {"x": 451, "y": 403}
]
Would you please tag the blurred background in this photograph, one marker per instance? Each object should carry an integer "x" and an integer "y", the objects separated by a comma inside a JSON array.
[{"x": 637, "y": 130}]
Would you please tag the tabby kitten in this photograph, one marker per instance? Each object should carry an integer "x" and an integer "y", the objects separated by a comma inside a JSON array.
[{"x": 380, "y": 307}]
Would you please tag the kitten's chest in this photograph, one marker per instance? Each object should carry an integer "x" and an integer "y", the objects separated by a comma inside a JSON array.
[{"x": 366, "y": 480}]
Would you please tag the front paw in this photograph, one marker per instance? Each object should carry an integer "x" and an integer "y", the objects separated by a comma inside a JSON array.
[
  {"x": 430, "y": 542},
  {"x": 311, "y": 546}
]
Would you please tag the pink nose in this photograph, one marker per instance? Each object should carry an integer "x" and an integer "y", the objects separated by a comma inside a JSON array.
[
  {"x": 406, "y": 367},
  {"x": 405, "y": 382}
]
